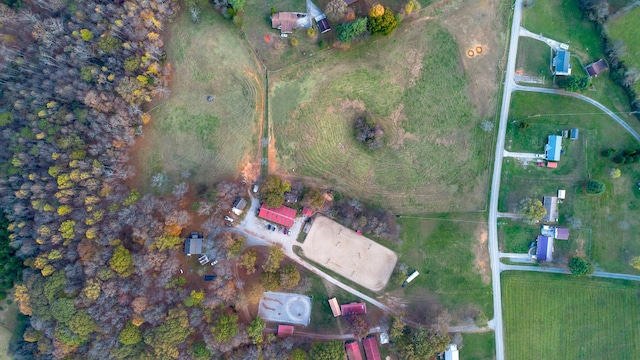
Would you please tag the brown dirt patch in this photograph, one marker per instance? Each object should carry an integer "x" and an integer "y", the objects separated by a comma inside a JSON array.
[
  {"x": 352, "y": 105},
  {"x": 353, "y": 256},
  {"x": 481, "y": 250},
  {"x": 478, "y": 25}
]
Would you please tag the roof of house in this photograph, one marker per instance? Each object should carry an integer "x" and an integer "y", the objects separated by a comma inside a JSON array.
[
  {"x": 349, "y": 2},
  {"x": 285, "y": 330},
  {"x": 451, "y": 353},
  {"x": 545, "y": 248},
  {"x": 562, "y": 194},
  {"x": 553, "y": 148},
  {"x": 240, "y": 203},
  {"x": 353, "y": 351},
  {"x": 285, "y": 21},
  {"x": 594, "y": 69},
  {"x": 551, "y": 164},
  {"x": 323, "y": 25},
  {"x": 283, "y": 215},
  {"x": 371, "y": 348},
  {"x": 551, "y": 205},
  {"x": 353, "y": 308},
  {"x": 335, "y": 307},
  {"x": 561, "y": 233},
  {"x": 307, "y": 212},
  {"x": 574, "y": 133},
  {"x": 562, "y": 63},
  {"x": 193, "y": 244}
]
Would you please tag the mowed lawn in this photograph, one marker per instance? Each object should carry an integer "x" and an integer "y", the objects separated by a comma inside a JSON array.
[
  {"x": 435, "y": 157},
  {"x": 553, "y": 316},
  {"x": 611, "y": 218},
  {"x": 190, "y": 134},
  {"x": 480, "y": 346},
  {"x": 625, "y": 28},
  {"x": 451, "y": 255}
]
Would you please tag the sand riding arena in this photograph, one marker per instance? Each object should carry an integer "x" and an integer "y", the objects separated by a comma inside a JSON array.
[{"x": 353, "y": 256}]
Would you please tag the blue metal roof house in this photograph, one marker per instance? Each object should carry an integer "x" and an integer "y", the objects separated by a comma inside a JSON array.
[
  {"x": 553, "y": 148},
  {"x": 562, "y": 63},
  {"x": 544, "y": 252}
]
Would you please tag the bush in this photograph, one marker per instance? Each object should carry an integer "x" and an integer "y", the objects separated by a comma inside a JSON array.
[
  {"x": 383, "y": 24},
  {"x": 595, "y": 187},
  {"x": 368, "y": 133},
  {"x": 607, "y": 152},
  {"x": 348, "y": 31},
  {"x": 311, "y": 32},
  {"x": 580, "y": 266},
  {"x": 294, "y": 42},
  {"x": 574, "y": 82}
]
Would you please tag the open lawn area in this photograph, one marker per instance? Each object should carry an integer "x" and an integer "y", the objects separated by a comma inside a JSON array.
[
  {"x": 435, "y": 156},
  {"x": 563, "y": 21},
  {"x": 480, "y": 346},
  {"x": 559, "y": 317},
  {"x": 208, "y": 139},
  {"x": 5, "y": 336},
  {"x": 450, "y": 252},
  {"x": 625, "y": 28},
  {"x": 614, "y": 212}
]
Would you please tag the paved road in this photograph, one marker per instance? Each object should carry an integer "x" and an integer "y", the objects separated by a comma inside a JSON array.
[
  {"x": 494, "y": 252},
  {"x": 583, "y": 98},
  {"x": 600, "y": 274},
  {"x": 552, "y": 43}
]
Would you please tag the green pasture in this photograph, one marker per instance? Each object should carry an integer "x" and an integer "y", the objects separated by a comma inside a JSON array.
[
  {"x": 435, "y": 156},
  {"x": 190, "y": 134},
  {"x": 614, "y": 212},
  {"x": 479, "y": 346},
  {"x": 554, "y": 316},
  {"x": 445, "y": 251},
  {"x": 625, "y": 28}
]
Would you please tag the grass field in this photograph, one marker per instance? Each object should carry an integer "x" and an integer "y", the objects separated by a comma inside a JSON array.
[
  {"x": 563, "y": 21},
  {"x": 435, "y": 157},
  {"x": 5, "y": 336},
  {"x": 210, "y": 140},
  {"x": 559, "y": 317},
  {"x": 614, "y": 212},
  {"x": 479, "y": 346},
  {"x": 625, "y": 28},
  {"x": 451, "y": 255}
]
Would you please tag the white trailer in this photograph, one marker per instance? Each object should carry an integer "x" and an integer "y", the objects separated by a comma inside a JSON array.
[{"x": 410, "y": 278}]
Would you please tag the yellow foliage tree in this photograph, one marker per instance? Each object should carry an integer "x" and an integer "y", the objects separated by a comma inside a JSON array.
[
  {"x": 23, "y": 299},
  {"x": 635, "y": 262},
  {"x": 376, "y": 11}
]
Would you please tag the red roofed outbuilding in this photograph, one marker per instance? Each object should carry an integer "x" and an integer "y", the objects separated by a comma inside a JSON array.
[
  {"x": 371, "y": 348},
  {"x": 307, "y": 212},
  {"x": 282, "y": 216},
  {"x": 353, "y": 351},
  {"x": 354, "y": 309},
  {"x": 285, "y": 330}
]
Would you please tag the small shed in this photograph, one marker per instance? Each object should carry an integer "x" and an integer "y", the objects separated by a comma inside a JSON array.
[
  {"x": 371, "y": 350},
  {"x": 354, "y": 309},
  {"x": 562, "y": 194},
  {"x": 552, "y": 165},
  {"x": 349, "y": 2},
  {"x": 193, "y": 244},
  {"x": 239, "y": 205},
  {"x": 307, "y": 212},
  {"x": 353, "y": 350},
  {"x": 574, "y": 134},
  {"x": 594, "y": 69},
  {"x": 451, "y": 353},
  {"x": 544, "y": 252},
  {"x": 335, "y": 307},
  {"x": 561, "y": 233},
  {"x": 285, "y": 331}
]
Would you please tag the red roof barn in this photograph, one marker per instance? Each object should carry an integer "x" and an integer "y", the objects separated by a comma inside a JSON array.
[
  {"x": 307, "y": 212},
  {"x": 353, "y": 351},
  {"x": 285, "y": 330},
  {"x": 283, "y": 215},
  {"x": 354, "y": 309},
  {"x": 371, "y": 348}
]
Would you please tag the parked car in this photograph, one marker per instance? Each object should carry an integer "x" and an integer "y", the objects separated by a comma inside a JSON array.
[
  {"x": 273, "y": 228},
  {"x": 210, "y": 277},
  {"x": 255, "y": 188},
  {"x": 285, "y": 231},
  {"x": 228, "y": 224},
  {"x": 268, "y": 226},
  {"x": 214, "y": 262},
  {"x": 228, "y": 219}
]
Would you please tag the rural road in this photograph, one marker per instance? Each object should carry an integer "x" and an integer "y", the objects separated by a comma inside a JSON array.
[
  {"x": 583, "y": 98},
  {"x": 600, "y": 274},
  {"x": 494, "y": 252}
]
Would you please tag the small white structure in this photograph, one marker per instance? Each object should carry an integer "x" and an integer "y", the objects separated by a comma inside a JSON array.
[
  {"x": 410, "y": 278},
  {"x": 451, "y": 353},
  {"x": 562, "y": 194}
]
